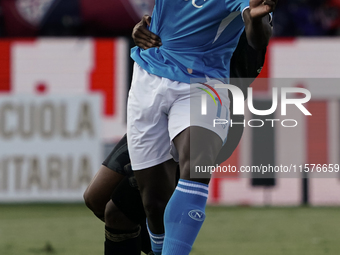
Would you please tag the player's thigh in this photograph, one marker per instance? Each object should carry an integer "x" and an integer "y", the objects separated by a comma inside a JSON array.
[
  {"x": 196, "y": 146},
  {"x": 196, "y": 136},
  {"x": 99, "y": 191},
  {"x": 233, "y": 139},
  {"x": 156, "y": 185},
  {"x": 186, "y": 111},
  {"x": 158, "y": 181}
]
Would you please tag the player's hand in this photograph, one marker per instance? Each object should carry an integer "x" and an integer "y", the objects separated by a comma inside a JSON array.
[
  {"x": 260, "y": 8},
  {"x": 144, "y": 38}
]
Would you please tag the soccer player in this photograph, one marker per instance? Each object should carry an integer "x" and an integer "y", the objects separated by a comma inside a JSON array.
[
  {"x": 245, "y": 63},
  {"x": 124, "y": 212},
  {"x": 198, "y": 40}
]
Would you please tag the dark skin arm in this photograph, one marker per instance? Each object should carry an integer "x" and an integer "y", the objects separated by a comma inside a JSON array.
[
  {"x": 144, "y": 38},
  {"x": 257, "y": 27}
]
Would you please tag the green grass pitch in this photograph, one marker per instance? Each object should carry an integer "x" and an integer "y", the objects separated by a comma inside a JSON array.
[{"x": 73, "y": 230}]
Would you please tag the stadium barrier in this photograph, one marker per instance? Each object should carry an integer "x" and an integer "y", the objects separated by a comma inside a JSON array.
[{"x": 62, "y": 103}]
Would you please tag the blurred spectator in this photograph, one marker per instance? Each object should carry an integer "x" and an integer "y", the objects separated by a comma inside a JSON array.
[
  {"x": 103, "y": 17},
  {"x": 72, "y": 17},
  {"x": 306, "y": 18},
  {"x": 39, "y": 17},
  {"x": 63, "y": 18},
  {"x": 20, "y": 19},
  {"x": 1, "y": 23},
  {"x": 297, "y": 17},
  {"x": 329, "y": 15},
  {"x": 117, "y": 17}
]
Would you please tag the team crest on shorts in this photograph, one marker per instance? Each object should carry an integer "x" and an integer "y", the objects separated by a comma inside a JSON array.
[{"x": 33, "y": 11}]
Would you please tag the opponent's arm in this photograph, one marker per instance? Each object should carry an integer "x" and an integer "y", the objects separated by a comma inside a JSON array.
[
  {"x": 257, "y": 27},
  {"x": 143, "y": 37}
]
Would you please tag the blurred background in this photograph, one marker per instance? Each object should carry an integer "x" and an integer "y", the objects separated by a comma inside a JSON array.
[{"x": 64, "y": 76}]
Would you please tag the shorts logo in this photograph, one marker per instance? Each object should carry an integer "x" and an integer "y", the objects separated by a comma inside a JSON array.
[
  {"x": 204, "y": 100},
  {"x": 197, "y": 215}
]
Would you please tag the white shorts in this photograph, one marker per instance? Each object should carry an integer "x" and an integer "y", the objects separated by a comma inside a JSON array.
[{"x": 159, "y": 109}]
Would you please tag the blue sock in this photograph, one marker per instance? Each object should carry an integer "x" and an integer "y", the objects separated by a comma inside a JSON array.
[
  {"x": 184, "y": 216},
  {"x": 156, "y": 241}
]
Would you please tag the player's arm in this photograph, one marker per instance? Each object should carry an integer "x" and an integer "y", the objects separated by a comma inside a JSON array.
[
  {"x": 143, "y": 37},
  {"x": 257, "y": 22}
]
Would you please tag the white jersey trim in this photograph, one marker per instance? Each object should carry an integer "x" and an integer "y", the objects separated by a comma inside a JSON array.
[
  {"x": 270, "y": 14},
  {"x": 224, "y": 23},
  {"x": 243, "y": 11}
]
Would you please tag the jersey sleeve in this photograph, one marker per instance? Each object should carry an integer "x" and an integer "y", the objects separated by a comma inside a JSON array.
[{"x": 236, "y": 5}]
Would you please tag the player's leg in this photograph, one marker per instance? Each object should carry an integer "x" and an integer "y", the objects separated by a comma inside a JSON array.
[
  {"x": 111, "y": 177},
  {"x": 122, "y": 236},
  {"x": 127, "y": 200},
  {"x": 99, "y": 191},
  {"x": 125, "y": 222},
  {"x": 110, "y": 174},
  {"x": 149, "y": 147},
  {"x": 185, "y": 212},
  {"x": 234, "y": 135},
  {"x": 196, "y": 145},
  {"x": 156, "y": 185}
]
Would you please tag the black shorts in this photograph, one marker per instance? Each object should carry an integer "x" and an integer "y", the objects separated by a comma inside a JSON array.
[
  {"x": 129, "y": 201},
  {"x": 119, "y": 157}
]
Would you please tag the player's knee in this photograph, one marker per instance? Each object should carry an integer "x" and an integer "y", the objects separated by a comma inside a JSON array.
[
  {"x": 92, "y": 204},
  {"x": 188, "y": 165},
  {"x": 155, "y": 206},
  {"x": 115, "y": 218},
  {"x": 87, "y": 199},
  {"x": 203, "y": 160},
  {"x": 200, "y": 158},
  {"x": 197, "y": 152},
  {"x": 155, "y": 202},
  {"x": 112, "y": 213}
]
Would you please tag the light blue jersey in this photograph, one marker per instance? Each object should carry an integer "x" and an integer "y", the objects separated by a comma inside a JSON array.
[{"x": 198, "y": 37}]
